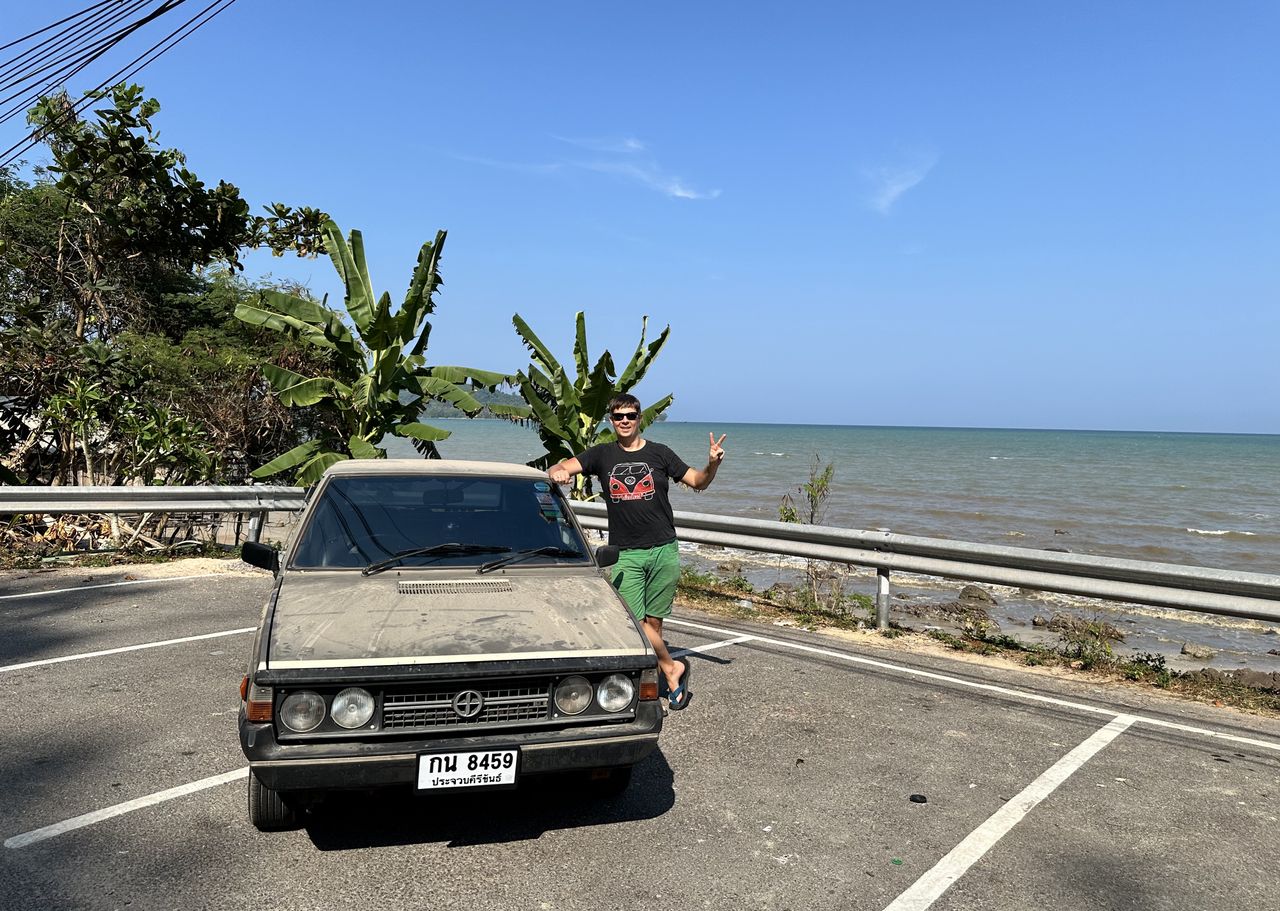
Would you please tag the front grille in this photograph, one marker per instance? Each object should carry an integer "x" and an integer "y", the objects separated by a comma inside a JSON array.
[{"x": 433, "y": 709}]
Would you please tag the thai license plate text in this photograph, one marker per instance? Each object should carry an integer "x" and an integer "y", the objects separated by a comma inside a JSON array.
[{"x": 478, "y": 769}]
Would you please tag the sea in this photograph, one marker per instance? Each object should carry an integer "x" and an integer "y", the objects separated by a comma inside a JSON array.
[{"x": 1189, "y": 498}]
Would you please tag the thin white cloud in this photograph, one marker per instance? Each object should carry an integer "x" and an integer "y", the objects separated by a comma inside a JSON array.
[
  {"x": 528, "y": 168},
  {"x": 649, "y": 175},
  {"x": 625, "y": 157},
  {"x": 628, "y": 145},
  {"x": 890, "y": 182}
]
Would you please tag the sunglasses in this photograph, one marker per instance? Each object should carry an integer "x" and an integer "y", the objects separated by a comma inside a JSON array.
[{"x": 624, "y": 415}]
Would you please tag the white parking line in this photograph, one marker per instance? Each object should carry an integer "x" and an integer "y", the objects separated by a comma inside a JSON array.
[
  {"x": 677, "y": 652},
  {"x": 126, "y": 648},
  {"x": 926, "y": 890},
  {"x": 82, "y": 588},
  {"x": 88, "y": 819},
  {"x": 989, "y": 687}
]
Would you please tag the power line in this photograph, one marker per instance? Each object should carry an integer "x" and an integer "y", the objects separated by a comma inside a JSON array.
[
  {"x": 69, "y": 33},
  {"x": 66, "y": 44},
  {"x": 70, "y": 63},
  {"x": 5, "y": 47},
  {"x": 66, "y": 72},
  {"x": 130, "y": 69}
]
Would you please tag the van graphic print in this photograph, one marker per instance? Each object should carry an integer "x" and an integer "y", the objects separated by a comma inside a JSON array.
[{"x": 631, "y": 481}]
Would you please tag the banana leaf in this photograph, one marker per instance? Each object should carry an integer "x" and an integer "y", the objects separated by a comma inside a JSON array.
[
  {"x": 314, "y": 469},
  {"x": 486, "y": 378},
  {"x": 425, "y": 432},
  {"x": 541, "y": 354},
  {"x": 295, "y": 389},
  {"x": 640, "y": 361},
  {"x": 256, "y": 316},
  {"x": 349, "y": 261},
  {"x": 363, "y": 449},
  {"x": 580, "y": 344},
  {"x": 295, "y": 456}
]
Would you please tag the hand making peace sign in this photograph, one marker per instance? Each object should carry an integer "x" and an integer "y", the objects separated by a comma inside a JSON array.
[{"x": 716, "y": 455}]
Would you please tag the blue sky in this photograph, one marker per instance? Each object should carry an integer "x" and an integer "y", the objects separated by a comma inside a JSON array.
[{"x": 981, "y": 214}]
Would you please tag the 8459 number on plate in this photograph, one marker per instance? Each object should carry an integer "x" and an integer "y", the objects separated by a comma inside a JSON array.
[{"x": 478, "y": 769}]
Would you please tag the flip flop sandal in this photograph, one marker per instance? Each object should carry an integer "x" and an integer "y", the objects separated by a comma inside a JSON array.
[{"x": 680, "y": 697}]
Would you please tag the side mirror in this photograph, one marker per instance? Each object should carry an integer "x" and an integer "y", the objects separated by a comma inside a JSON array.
[
  {"x": 260, "y": 555},
  {"x": 606, "y": 555}
]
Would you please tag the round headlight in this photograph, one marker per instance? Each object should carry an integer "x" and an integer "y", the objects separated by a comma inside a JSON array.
[
  {"x": 352, "y": 708},
  {"x": 614, "y": 692},
  {"x": 302, "y": 712},
  {"x": 573, "y": 695}
]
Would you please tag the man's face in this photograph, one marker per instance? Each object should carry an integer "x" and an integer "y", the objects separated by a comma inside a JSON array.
[{"x": 626, "y": 420}]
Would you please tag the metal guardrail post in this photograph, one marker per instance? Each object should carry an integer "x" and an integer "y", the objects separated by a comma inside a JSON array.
[
  {"x": 255, "y": 527},
  {"x": 882, "y": 598}
]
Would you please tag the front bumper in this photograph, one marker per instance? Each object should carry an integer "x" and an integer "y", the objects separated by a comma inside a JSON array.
[{"x": 367, "y": 764}]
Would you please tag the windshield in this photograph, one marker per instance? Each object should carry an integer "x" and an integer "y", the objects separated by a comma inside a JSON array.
[{"x": 360, "y": 521}]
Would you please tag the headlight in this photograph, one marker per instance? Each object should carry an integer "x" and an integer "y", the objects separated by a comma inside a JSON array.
[
  {"x": 615, "y": 692},
  {"x": 302, "y": 712},
  {"x": 573, "y": 695},
  {"x": 352, "y": 708}
]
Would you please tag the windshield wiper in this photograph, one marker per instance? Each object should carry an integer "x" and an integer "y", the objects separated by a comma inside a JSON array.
[
  {"x": 549, "y": 551},
  {"x": 449, "y": 549}
]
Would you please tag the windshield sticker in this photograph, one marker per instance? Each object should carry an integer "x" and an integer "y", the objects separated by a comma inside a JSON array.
[{"x": 541, "y": 486}]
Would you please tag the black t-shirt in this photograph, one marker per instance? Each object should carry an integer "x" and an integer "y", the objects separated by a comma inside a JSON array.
[{"x": 634, "y": 487}]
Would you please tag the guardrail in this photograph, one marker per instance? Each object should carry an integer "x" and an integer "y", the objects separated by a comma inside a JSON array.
[
  {"x": 1194, "y": 588},
  {"x": 255, "y": 501}
]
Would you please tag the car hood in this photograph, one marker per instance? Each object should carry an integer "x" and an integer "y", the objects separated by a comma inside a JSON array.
[{"x": 343, "y": 619}]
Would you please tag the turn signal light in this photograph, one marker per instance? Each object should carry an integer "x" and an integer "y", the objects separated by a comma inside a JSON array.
[
  {"x": 649, "y": 685},
  {"x": 257, "y": 701}
]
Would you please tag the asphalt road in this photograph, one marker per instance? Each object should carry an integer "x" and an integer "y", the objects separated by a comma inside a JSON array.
[{"x": 787, "y": 784}]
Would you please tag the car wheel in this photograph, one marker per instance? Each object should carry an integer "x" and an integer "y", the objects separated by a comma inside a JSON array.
[
  {"x": 268, "y": 809},
  {"x": 609, "y": 782}
]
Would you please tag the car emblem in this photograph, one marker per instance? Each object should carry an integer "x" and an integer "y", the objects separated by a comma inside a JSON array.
[{"x": 468, "y": 704}]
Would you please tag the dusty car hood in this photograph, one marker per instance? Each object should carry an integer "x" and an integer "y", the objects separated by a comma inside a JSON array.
[{"x": 343, "y": 619}]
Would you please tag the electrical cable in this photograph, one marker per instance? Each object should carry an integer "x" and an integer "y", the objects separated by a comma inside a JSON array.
[
  {"x": 86, "y": 60},
  {"x": 40, "y": 48},
  {"x": 68, "y": 46},
  {"x": 56, "y": 24},
  {"x": 63, "y": 67},
  {"x": 14, "y": 152}
]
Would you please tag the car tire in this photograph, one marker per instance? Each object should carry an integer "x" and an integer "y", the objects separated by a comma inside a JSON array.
[
  {"x": 610, "y": 785},
  {"x": 268, "y": 809}
]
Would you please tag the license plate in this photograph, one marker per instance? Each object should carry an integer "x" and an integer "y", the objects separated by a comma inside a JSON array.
[{"x": 478, "y": 769}]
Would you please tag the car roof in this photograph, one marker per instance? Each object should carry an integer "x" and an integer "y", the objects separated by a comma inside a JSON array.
[{"x": 432, "y": 468}]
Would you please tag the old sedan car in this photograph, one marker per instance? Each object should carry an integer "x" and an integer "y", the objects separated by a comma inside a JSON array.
[{"x": 440, "y": 625}]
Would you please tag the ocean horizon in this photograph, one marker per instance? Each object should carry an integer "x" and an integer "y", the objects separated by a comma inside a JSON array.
[{"x": 1207, "y": 499}]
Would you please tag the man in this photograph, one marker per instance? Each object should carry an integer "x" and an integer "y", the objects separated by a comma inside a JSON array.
[{"x": 634, "y": 475}]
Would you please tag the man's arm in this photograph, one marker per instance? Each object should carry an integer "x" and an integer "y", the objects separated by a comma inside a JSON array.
[
  {"x": 563, "y": 472},
  {"x": 701, "y": 478}
]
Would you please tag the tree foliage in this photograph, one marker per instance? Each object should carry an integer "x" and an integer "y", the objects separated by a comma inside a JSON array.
[
  {"x": 379, "y": 379},
  {"x": 118, "y": 284},
  {"x": 568, "y": 413}
]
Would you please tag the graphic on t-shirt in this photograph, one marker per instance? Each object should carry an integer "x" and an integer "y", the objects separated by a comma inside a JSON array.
[{"x": 631, "y": 481}]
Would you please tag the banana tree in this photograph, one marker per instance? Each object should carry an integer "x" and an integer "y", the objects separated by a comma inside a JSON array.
[
  {"x": 568, "y": 414},
  {"x": 381, "y": 380}
]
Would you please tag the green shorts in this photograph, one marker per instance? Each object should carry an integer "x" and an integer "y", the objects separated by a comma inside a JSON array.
[{"x": 646, "y": 579}]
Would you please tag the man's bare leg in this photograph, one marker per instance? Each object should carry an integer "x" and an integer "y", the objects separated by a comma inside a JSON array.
[{"x": 671, "y": 669}]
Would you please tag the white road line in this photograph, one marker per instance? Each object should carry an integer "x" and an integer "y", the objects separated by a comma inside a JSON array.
[
  {"x": 126, "y": 648},
  {"x": 989, "y": 687},
  {"x": 676, "y": 653},
  {"x": 81, "y": 588},
  {"x": 926, "y": 890},
  {"x": 88, "y": 819}
]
